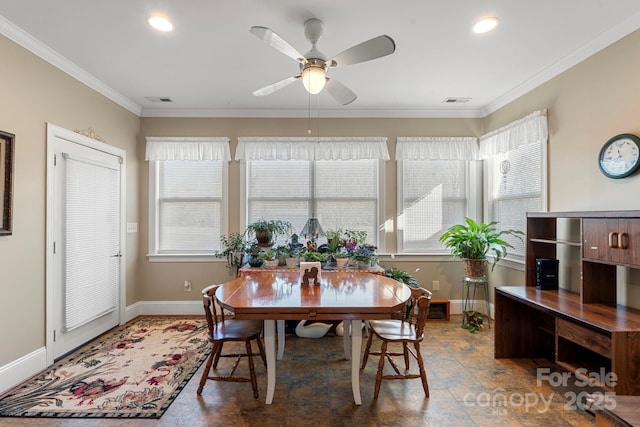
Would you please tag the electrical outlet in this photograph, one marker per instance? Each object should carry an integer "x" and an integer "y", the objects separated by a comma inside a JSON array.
[
  {"x": 187, "y": 286},
  {"x": 436, "y": 285}
]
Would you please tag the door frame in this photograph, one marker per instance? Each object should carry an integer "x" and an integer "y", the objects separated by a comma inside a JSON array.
[{"x": 54, "y": 132}]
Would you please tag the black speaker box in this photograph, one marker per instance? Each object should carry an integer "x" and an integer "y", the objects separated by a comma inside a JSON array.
[{"x": 547, "y": 274}]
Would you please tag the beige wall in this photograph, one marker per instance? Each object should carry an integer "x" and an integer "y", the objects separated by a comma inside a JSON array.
[
  {"x": 165, "y": 280},
  {"x": 35, "y": 93},
  {"x": 587, "y": 105}
]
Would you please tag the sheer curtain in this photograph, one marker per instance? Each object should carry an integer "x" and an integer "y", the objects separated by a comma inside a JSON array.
[
  {"x": 183, "y": 148},
  {"x": 342, "y": 148}
]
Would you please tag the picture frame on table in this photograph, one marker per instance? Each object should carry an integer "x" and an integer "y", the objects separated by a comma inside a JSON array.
[{"x": 7, "y": 141}]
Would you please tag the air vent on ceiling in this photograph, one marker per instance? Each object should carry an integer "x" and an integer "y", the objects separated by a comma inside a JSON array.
[
  {"x": 456, "y": 100},
  {"x": 158, "y": 98}
]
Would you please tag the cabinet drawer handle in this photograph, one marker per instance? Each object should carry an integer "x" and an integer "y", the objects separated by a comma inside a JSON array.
[
  {"x": 613, "y": 239},
  {"x": 623, "y": 242}
]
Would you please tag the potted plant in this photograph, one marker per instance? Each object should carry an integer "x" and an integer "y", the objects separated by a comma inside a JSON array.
[
  {"x": 342, "y": 258},
  {"x": 265, "y": 231},
  {"x": 320, "y": 257},
  {"x": 255, "y": 258},
  {"x": 364, "y": 256},
  {"x": 334, "y": 239},
  {"x": 473, "y": 242},
  {"x": 474, "y": 321},
  {"x": 269, "y": 257},
  {"x": 234, "y": 247},
  {"x": 401, "y": 276}
]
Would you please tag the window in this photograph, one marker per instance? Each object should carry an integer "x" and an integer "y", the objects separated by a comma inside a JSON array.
[
  {"x": 437, "y": 187},
  {"x": 186, "y": 199},
  {"x": 515, "y": 175},
  {"x": 336, "y": 180}
]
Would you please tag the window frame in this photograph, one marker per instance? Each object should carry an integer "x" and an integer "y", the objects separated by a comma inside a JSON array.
[
  {"x": 154, "y": 181},
  {"x": 536, "y": 128}
]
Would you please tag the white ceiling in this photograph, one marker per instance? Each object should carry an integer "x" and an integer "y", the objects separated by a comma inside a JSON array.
[{"x": 210, "y": 64}]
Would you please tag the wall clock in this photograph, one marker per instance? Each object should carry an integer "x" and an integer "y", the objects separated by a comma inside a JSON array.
[{"x": 619, "y": 156}]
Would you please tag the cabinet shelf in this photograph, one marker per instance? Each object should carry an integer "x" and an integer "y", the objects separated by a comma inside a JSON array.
[
  {"x": 584, "y": 329},
  {"x": 556, "y": 242}
]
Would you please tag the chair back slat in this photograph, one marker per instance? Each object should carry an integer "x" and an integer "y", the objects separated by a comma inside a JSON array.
[
  {"x": 422, "y": 304},
  {"x": 413, "y": 313},
  {"x": 210, "y": 307}
]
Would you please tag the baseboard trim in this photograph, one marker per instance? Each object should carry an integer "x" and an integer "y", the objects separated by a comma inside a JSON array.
[
  {"x": 13, "y": 373},
  {"x": 160, "y": 308}
]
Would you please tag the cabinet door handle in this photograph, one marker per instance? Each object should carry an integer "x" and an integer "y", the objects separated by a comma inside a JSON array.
[
  {"x": 623, "y": 243},
  {"x": 613, "y": 239}
]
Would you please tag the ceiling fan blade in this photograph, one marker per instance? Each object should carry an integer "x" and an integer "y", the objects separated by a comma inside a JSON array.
[
  {"x": 376, "y": 47},
  {"x": 268, "y": 90},
  {"x": 340, "y": 92},
  {"x": 275, "y": 41}
]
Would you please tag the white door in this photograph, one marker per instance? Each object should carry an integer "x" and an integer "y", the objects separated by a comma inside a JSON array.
[{"x": 85, "y": 259}]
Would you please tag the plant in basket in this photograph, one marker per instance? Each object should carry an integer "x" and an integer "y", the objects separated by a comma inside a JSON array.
[{"x": 473, "y": 242}]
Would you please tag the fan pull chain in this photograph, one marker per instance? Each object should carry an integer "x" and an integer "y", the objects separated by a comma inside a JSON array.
[{"x": 309, "y": 107}]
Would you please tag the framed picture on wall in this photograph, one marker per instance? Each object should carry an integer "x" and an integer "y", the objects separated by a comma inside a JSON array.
[{"x": 6, "y": 181}]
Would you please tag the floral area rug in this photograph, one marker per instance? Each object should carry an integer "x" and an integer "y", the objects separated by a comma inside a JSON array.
[{"x": 135, "y": 371}]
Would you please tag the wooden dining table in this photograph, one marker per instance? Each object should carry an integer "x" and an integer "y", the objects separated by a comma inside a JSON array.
[{"x": 349, "y": 296}]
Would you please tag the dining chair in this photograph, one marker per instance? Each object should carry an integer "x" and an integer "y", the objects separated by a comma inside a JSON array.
[
  {"x": 409, "y": 330},
  {"x": 222, "y": 330}
]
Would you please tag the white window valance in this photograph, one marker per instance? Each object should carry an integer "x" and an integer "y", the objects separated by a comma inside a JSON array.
[
  {"x": 437, "y": 148},
  {"x": 529, "y": 129},
  {"x": 339, "y": 148},
  {"x": 184, "y": 148}
]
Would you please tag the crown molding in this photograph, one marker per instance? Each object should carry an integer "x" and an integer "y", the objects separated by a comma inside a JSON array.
[
  {"x": 323, "y": 114},
  {"x": 27, "y": 41},
  {"x": 606, "y": 39}
]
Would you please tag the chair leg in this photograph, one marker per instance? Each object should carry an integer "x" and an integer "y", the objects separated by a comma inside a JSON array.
[
  {"x": 405, "y": 352},
  {"x": 423, "y": 374},
  {"x": 383, "y": 354},
  {"x": 366, "y": 350},
  {"x": 207, "y": 369},
  {"x": 216, "y": 359},
  {"x": 263, "y": 355},
  {"x": 252, "y": 370}
]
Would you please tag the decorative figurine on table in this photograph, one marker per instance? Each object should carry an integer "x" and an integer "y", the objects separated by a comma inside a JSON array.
[{"x": 310, "y": 273}]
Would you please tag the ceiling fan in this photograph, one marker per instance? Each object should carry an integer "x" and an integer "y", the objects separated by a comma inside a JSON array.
[{"x": 314, "y": 65}]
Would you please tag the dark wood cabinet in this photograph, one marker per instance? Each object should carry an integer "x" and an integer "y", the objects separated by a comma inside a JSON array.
[
  {"x": 580, "y": 325},
  {"x": 612, "y": 240}
]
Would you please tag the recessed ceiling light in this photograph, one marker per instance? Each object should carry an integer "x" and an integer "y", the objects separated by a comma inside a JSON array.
[
  {"x": 160, "y": 23},
  {"x": 485, "y": 24}
]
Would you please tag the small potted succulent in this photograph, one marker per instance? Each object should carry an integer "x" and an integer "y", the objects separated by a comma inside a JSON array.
[{"x": 270, "y": 259}]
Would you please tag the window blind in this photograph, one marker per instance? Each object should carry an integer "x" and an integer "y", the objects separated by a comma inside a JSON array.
[
  {"x": 92, "y": 245},
  {"x": 433, "y": 184},
  {"x": 515, "y": 170},
  {"x": 335, "y": 180},
  {"x": 189, "y": 206}
]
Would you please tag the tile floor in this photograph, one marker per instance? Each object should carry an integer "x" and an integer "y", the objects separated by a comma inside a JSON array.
[{"x": 313, "y": 389}]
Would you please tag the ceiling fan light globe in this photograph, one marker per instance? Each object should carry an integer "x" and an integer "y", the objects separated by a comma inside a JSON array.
[{"x": 314, "y": 79}]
